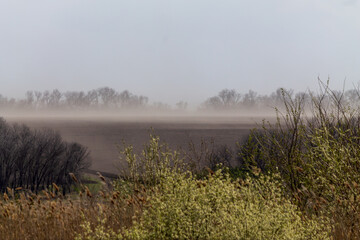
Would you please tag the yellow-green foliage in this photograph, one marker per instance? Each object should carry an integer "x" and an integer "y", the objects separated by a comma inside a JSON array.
[
  {"x": 179, "y": 206},
  {"x": 334, "y": 180},
  {"x": 217, "y": 208},
  {"x": 315, "y": 149},
  {"x": 155, "y": 160},
  {"x": 100, "y": 232}
]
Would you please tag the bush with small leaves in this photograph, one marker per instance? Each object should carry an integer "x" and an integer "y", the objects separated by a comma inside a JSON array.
[{"x": 218, "y": 208}]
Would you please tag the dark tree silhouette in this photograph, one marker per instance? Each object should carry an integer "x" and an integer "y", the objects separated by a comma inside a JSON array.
[{"x": 34, "y": 159}]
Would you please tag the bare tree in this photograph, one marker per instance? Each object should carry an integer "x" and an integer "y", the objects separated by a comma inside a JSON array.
[
  {"x": 181, "y": 105},
  {"x": 35, "y": 159},
  {"x": 229, "y": 98}
]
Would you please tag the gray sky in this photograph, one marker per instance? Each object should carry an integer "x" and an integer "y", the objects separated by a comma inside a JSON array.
[{"x": 171, "y": 50}]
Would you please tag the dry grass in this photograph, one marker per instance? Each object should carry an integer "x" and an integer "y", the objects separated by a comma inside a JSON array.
[{"x": 50, "y": 215}]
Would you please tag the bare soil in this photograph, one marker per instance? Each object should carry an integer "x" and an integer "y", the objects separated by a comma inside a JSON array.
[{"x": 103, "y": 136}]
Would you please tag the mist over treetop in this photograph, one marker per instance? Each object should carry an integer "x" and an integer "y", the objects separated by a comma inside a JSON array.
[{"x": 109, "y": 99}]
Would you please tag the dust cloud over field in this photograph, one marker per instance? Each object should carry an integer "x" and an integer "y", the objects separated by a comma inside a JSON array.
[{"x": 103, "y": 134}]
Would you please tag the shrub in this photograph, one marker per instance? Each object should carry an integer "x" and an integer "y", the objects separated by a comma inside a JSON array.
[
  {"x": 317, "y": 157},
  {"x": 207, "y": 155},
  {"x": 180, "y": 206},
  {"x": 217, "y": 208},
  {"x": 156, "y": 159}
]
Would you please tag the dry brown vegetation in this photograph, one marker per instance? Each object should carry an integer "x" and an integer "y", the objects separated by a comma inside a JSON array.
[{"x": 50, "y": 215}]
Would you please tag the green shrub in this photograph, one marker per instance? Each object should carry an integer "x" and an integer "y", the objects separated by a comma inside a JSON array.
[
  {"x": 178, "y": 205},
  {"x": 155, "y": 160},
  {"x": 217, "y": 208},
  {"x": 317, "y": 157}
]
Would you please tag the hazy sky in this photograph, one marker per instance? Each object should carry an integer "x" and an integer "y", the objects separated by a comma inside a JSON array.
[{"x": 171, "y": 50}]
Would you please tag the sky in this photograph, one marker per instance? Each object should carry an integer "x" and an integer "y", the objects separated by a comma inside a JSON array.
[{"x": 173, "y": 50}]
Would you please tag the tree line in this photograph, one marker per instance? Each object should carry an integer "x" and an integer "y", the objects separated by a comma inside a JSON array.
[
  {"x": 228, "y": 99},
  {"x": 35, "y": 159},
  {"x": 94, "y": 99},
  {"x": 108, "y": 98}
]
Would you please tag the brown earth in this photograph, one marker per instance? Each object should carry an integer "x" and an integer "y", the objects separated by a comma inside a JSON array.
[{"x": 103, "y": 136}]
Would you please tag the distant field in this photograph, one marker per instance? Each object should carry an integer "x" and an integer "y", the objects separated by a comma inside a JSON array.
[{"x": 102, "y": 135}]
